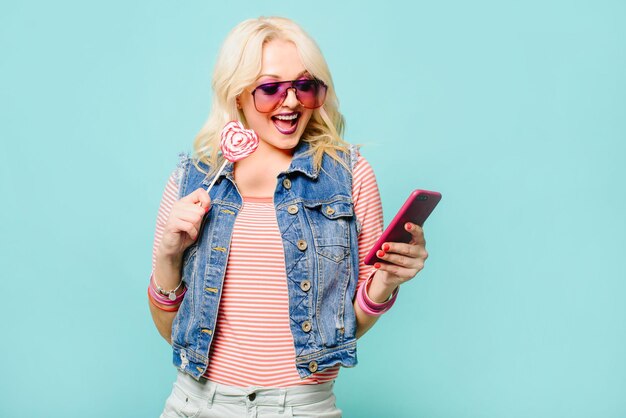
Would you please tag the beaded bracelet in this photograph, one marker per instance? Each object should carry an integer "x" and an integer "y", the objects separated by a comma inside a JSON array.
[
  {"x": 171, "y": 294},
  {"x": 166, "y": 301},
  {"x": 373, "y": 308}
]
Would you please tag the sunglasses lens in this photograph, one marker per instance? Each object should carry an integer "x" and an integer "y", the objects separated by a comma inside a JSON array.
[
  {"x": 310, "y": 93},
  {"x": 268, "y": 96}
]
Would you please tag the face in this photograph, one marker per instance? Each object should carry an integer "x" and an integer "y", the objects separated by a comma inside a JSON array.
[{"x": 282, "y": 127}]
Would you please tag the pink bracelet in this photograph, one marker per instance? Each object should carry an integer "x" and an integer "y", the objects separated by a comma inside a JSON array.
[
  {"x": 160, "y": 299},
  {"x": 159, "y": 306},
  {"x": 164, "y": 300},
  {"x": 373, "y": 308},
  {"x": 169, "y": 293}
]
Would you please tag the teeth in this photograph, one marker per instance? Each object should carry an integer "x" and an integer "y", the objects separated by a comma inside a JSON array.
[{"x": 287, "y": 117}]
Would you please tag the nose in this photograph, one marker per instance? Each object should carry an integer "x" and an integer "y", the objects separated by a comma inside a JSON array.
[{"x": 291, "y": 100}]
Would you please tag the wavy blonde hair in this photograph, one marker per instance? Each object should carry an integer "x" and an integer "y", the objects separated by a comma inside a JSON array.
[{"x": 238, "y": 66}]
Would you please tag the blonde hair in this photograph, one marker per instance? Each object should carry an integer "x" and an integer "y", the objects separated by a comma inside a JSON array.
[{"x": 238, "y": 66}]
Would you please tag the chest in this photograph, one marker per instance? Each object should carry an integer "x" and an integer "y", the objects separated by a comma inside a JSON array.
[{"x": 257, "y": 180}]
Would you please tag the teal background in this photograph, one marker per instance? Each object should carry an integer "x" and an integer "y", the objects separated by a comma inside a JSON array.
[{"x": 515, "y": 111}]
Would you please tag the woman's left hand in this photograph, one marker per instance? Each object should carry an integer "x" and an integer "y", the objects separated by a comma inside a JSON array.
[{"x": 402, "y": 261}]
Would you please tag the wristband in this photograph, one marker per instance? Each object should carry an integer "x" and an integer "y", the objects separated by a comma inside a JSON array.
[
  {"x": 158, "y": 306},
  {"x": 166, "y": 300},
  {"x": 373, "y": 308}
]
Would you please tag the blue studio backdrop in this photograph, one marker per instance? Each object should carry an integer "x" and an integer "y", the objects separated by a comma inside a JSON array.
[{"x": 513, "y": 110}]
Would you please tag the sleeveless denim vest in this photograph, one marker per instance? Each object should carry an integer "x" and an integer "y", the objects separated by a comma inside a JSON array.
[{"x": 315, "y": 216}]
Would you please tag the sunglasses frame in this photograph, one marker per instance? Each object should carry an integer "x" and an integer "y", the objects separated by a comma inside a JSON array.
[{"x": 292, "y": 83}]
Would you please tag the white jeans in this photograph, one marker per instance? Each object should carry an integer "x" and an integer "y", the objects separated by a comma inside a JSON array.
[{"x": 205, "y": 399}]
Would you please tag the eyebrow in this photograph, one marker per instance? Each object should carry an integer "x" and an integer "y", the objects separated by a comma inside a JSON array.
[{"x": 276, "y": 76}]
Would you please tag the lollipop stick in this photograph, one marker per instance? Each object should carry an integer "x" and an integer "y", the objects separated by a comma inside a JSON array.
[{"x": 216, "y": 176}]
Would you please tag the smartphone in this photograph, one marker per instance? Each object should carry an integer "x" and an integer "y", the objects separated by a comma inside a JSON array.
[{"x": 416, "y": 209}]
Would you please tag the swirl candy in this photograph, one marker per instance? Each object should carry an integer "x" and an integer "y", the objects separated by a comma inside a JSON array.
[{"x": 238, "y": 142}]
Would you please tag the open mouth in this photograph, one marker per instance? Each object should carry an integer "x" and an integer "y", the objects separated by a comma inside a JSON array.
[{"x": 286, "y": 123}]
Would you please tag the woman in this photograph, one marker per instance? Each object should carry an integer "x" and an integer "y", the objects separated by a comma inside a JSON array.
[{"x": 255, "y": 285}]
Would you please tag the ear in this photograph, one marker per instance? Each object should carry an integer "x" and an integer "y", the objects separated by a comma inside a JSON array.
[{"x": 238, "y": 104}]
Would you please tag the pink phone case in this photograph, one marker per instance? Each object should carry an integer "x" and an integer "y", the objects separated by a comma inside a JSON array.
[{"x": 416, "y": 209}]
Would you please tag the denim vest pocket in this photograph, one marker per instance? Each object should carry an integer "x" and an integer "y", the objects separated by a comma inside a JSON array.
[
  {"x": 331, "y": 224},
  {"x": 332, "y": 239}
]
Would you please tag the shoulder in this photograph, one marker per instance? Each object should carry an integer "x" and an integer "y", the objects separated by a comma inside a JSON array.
[
  {"x": 184, "y": 161},
  {"x": 189, "y": 171},
  {"x": 362, "y": 169},
  {"x": 188, "y": 163}
]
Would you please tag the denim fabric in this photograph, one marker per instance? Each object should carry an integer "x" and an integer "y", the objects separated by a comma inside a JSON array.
[{"x": 315, "y": 215}]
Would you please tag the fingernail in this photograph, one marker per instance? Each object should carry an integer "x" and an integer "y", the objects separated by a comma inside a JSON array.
[
  {"x": 206, "y": 209},
  {"x": 386, "y": 247},
  {"x": 380, "y": 254},
  {"x": 376, "y": 266},
  {"x": 408, "y": 226}
]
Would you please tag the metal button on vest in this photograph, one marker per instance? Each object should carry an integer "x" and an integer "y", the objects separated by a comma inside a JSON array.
[
  {"x": 329, "y": 210},
  {"x": 313, "y": 366},
  {"x": 287, "y": 183},
  {"x": 306, "y": 326},
  {"x": 302, "y": 245},
  {"x": 293, "y": 209},
  {"x": 305, "y": 285}
]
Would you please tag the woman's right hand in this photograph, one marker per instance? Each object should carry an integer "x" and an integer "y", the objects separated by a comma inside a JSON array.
[{"x": 183, "y": 225}]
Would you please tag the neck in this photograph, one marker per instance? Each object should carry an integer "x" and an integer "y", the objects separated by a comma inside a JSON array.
[{"x": 256, "y": 174}]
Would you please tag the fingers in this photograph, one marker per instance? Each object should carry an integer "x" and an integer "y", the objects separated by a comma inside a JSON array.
[
  {"x": 417, "y": 232},
  {"x": 186, "y": 216},
  {"x": 404, "y": 250},
  {"x": 198, "y": 197},
  {"x": 188, "y": 212},
  {"x": 401, "y": 274},
  {"x": 190, "y": 228},
  {"x": 404, "y": 260},
  {"x": 402, "y": 253},
  {"x": 415, "y": 248},
  {"x": 413, "y": 257},
  {"x": 190, "y": 209}
]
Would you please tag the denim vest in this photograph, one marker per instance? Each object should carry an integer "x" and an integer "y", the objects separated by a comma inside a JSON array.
[{"x": 315, "y": 216}]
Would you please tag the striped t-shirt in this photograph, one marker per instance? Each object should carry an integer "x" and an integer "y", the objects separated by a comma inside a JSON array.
[{"x": 253, "y": 344}]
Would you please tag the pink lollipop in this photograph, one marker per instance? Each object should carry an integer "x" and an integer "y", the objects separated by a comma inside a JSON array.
[{"x": 236, "y": 144}]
